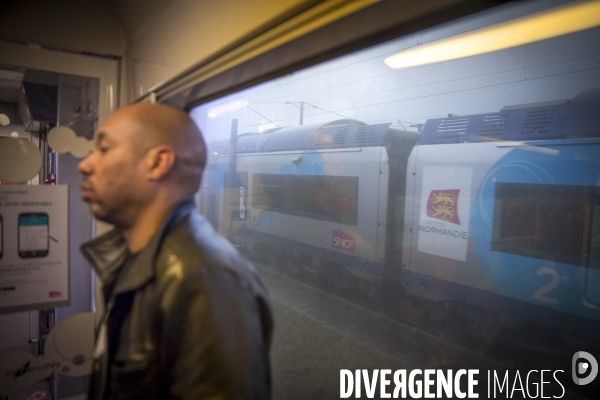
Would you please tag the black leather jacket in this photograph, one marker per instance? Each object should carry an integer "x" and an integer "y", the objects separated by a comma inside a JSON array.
[{"x": 188, "y": 318}]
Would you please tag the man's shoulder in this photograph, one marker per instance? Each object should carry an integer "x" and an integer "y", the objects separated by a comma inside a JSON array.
[{"x": 192, "y": 250}]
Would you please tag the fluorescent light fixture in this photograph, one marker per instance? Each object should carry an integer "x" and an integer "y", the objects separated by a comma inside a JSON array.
[
  {"x": 226, "y": 108},
  {"x": 557, "y": 21}
]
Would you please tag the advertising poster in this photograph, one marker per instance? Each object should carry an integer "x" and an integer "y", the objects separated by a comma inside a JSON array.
[
  {"x": 34, "y": 249},
  {"x": 445, "y": 211}
]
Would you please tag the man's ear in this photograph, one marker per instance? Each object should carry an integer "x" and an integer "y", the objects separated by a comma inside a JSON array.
[{"x": 159, "y": 161}]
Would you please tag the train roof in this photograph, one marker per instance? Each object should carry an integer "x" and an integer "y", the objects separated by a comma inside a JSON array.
[
  {"x": 336, "y": 134},
  {"x": 576, "y": 118}
]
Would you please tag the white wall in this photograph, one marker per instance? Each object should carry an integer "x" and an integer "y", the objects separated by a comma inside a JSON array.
[
  {"x": 156, "y": 38},
  {"x": 165, "y": 38}
]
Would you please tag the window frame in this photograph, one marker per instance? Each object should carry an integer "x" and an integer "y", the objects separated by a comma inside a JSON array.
[{"x": 504, "y": 191}]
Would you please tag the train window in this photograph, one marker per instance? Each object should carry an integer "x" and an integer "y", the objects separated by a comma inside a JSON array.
[
  {"x": 442, "y": 215},
  {"x": 541, "y": 221},
  {"x": 268, "y": 191},
  {"x": 345, "y": 199},
  {"x": 310, "y": 196},
  {"x": 333, "y": 198}
]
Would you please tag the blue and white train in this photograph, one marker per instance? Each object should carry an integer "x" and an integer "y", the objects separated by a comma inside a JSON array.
[{"x": 497, "y": 211}]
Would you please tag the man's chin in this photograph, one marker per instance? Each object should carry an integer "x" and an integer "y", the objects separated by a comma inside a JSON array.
[{"x": 97, "y": 211}]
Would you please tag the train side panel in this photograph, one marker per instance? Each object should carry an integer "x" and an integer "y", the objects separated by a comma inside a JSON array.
[
  {"x": 356, "y": 245},
  {"x": 504, "y": 221}
]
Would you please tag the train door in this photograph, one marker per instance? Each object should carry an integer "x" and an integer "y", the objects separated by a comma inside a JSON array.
[{"x": 399, "y": 148}]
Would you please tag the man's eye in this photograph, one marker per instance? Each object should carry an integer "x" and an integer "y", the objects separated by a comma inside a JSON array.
[{"x": 102, "y": 149}]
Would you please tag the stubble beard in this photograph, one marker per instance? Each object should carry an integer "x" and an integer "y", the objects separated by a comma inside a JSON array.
[{"x": 122, "y": 214}]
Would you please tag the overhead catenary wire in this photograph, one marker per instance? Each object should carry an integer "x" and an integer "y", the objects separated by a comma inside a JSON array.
[
  {"x": 288, "y": 102},
  {"x": 332, "y": 112},
  {"x": 440, "y": 81},
  {"x": 262, "y": 115},
  {"x": 424, "y": 84},
  {"x": 446, "y": 92},
  {"x": 456, "y": 91}
]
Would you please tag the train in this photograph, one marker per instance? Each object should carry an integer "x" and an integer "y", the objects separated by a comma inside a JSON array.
[{"x": 493, "y": 216}]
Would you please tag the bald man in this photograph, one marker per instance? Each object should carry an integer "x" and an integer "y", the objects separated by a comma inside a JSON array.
[{"x": 186, "y": 316}]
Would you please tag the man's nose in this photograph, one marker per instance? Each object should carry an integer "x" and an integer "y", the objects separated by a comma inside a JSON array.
[{"x": 85, "y": 165}]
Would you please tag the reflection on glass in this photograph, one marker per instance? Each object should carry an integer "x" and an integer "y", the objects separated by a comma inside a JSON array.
[{"x": 443, "y": 216}]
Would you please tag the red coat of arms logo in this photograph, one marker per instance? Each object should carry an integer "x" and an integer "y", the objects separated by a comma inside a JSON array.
[{"x": 443, "y": 204}]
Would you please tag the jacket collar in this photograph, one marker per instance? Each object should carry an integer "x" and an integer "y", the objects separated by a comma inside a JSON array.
[{"x": 107, "y": 253}]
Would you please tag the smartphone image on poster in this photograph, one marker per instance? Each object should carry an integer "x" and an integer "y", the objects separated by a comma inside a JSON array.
[{"x": 33, "y": 235}]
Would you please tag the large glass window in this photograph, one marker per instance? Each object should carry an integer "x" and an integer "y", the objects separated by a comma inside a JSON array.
[{"x": 432, "y": 214}]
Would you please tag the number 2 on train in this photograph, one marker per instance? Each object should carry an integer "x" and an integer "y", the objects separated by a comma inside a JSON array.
[{"x": 540, "y": 294}]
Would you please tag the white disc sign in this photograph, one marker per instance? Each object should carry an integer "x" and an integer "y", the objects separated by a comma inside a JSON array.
[
  {"x": 61, "y": 138},
  {"x": 20, "y": 160}
]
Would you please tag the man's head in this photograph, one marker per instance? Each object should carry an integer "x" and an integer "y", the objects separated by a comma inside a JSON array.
[{"x": 144, "y": 153}]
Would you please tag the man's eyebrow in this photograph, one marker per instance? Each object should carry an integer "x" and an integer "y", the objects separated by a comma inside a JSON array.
[{"x": 100, "y": 136}]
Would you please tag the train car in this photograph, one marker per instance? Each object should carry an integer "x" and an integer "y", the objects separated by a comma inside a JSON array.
[
  {"x": 497, "y": 210},
  {"x": 505, "y": 212},
  {"x": 317, "y": 179},
  {"x": 319, "y": 188}
]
